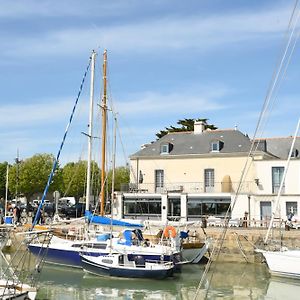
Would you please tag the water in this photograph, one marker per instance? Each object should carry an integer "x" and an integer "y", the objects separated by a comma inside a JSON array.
[{"x": 228, "y": 281}]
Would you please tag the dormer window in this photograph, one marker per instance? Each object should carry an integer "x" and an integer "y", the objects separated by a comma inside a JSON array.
[
  {"x": 295, "y": 153},
  {"x": 216, "y": 146},
  {"x": 165, "y": 148}
]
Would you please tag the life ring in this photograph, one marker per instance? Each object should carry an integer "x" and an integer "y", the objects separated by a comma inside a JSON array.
[{"x": 169, "y": 231}]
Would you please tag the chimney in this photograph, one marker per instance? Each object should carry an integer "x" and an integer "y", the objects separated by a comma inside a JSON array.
[{"x": 199, "y": 127}]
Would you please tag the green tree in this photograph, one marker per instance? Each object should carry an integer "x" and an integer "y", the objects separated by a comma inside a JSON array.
[
  {"x": 73, "y": 181},
  {"x": 31, "y": 175},
  {"x": 186, "y": 125},
  {"x": 121, "y": 176},
  {"x": 3, "y": 168}
]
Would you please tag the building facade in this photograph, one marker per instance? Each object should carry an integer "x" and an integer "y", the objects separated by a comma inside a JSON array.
[{"x": 190, "y": 175}]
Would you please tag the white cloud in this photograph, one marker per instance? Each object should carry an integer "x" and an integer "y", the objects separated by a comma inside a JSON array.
[
  {"x": 49, "y": 8},
  {"x": 42, "y": 113},
  {"x": 172, "y": 32},
  {"x": 179, "y": 102}
]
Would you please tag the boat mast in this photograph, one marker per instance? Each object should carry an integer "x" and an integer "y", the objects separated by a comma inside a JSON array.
[
  {"x": 6, "y": 192},
  {"x": 90, "y": 133},
  {"x": 104, "y": 113},
  {"x": 113, "y": 165}
]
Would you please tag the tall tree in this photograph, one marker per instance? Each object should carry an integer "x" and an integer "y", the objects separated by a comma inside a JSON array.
[
  {"x": 3, "y": 168},
  {"x": 74, "y": 179},
  {"x": 121, "y": 176},
  {"x": 186, "y": 125},
  {"x": 31, "y": 175}
]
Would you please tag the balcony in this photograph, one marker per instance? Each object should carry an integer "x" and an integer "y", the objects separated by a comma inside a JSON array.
[{"x": 189, "y": 187}]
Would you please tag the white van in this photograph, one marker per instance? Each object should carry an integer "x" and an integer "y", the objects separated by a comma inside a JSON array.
[{"x": 67, "y": 201}]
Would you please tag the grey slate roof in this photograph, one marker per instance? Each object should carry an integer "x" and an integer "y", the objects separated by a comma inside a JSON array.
[
  {"x": 280, "y": 146},
  {"x": 188, "y": 143}
]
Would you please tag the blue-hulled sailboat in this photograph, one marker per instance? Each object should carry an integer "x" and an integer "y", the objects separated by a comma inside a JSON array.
[{"x": 66, "y": 251}]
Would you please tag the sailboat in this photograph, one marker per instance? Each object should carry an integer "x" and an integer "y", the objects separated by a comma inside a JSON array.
[
  {"x": 18, "y": 278},
  {"x": 119, "y": 265},
  {"x": 67, "y": 251},
  {"x": 284, "y": 262}
]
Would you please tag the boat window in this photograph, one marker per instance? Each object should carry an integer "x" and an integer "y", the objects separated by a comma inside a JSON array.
[
  {"x": 107, "y": 261},
  {"x": 95, "y": 246}
]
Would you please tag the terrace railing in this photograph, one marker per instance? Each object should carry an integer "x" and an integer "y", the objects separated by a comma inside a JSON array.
[{"x": 189, "y": 187}]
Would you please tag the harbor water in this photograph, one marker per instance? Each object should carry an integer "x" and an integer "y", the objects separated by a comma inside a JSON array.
[{"x": 224, "y": 281}]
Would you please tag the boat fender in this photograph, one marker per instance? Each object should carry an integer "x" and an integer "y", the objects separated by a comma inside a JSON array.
[{"x": 169, "y": 231}]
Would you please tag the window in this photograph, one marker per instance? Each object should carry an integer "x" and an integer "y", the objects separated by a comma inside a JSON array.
[
  {"x": 277, "y": 174},
  {"x": 216, "y": 146},
  {"x": 194, "y": 209},
  {"x": 292, "y": 208},
  {"x": 295, "y": 153},
  {"x": 199, "y": 207},
  {"x": 164, "y": 149},
  {"x": 159, "y": 180},
  {"x": 209, "y": 180},
  {"x": 265, "y": 210},
  {"x": 148, "y": 208},
  {"x": 174, "y": 207}
]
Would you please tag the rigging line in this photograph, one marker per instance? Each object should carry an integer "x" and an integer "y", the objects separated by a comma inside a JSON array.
[
  {"x": 282, "y": 182},
  {"x": 277, "y": 69},
  {"x": 111, "y": 101},
  {"x": 280, "y": 79},
  {"x": 61, "y": 146},
  {"x": 282, "y": 74},
  {"x": 265, "y": 106}
]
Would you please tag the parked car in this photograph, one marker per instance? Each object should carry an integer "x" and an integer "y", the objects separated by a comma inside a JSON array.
[{"x": 72, "y": 211}]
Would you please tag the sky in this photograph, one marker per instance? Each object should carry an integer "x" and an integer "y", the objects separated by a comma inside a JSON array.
[{"x": 167, "y": 60}]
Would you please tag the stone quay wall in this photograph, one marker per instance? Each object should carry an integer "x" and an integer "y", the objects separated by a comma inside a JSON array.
[{"x": 240, "y": 243}]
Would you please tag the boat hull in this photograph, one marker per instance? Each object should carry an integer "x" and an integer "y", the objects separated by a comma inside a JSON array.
[
  {"x": 194, "y": 252},
  {"x": 69, "y": 256},
  {"x": 102, "y": 270},
  {"x": 64, "y": 257},
  {"x": 283, "y": 263}
]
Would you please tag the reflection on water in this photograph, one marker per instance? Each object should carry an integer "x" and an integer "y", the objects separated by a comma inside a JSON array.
[
  {"x": 283, "y": 289},
  {"x": 224, "y": 281},
  {"x": 229, "y": 281}
]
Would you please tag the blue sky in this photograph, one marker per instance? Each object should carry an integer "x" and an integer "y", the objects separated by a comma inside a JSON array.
[{"x": 167, "y": 60}]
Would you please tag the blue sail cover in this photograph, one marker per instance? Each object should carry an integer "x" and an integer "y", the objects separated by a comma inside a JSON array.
[{"x": 108, "y": 221}]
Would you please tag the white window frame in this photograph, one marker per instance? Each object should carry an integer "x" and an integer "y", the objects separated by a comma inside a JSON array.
[
  {"x": 164, "y": 149},
  {"x": 213, "y": 144}
]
